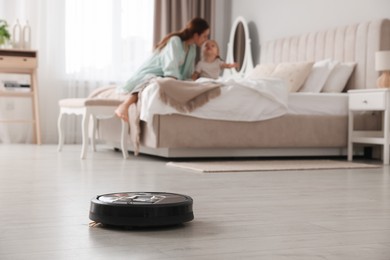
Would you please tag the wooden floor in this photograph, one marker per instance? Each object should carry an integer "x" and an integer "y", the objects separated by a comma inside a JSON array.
[{"x": 323, "y": 214}]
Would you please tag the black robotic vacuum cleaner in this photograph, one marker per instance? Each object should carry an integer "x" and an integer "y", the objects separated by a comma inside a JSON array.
[{"x": 141, "y": 209}]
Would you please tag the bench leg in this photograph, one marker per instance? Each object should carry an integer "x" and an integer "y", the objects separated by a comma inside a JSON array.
[
  {"x": 84, "y": 130},
  {"x": 60, "y": 129},
  {"x": 93, "y": 138},
  {"x": 124, "y": 135}
]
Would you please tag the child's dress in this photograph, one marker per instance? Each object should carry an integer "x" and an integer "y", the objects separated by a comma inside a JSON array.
[{"x": 209, "y": 69}]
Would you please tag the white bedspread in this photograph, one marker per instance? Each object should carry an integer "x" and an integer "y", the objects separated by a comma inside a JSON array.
[
  {"x": 240, "y": 100},
  {"x": 304, "y": 103}
]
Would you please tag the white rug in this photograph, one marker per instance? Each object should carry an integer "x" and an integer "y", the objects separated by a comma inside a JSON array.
[{"x": 268, "y": 165}]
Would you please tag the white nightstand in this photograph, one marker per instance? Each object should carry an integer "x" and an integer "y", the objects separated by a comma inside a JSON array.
[{"x": 369, "y": 100}]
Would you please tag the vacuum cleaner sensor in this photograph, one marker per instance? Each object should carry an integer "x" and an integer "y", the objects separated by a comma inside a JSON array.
[{"x": 141, "y": 209}]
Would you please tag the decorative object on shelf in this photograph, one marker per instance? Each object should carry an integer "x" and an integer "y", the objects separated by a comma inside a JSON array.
[
  {"x": 382, "y": 64},
  {"x": 17, "y": 35},
  {"x": 4, "y": 33},
  {"x": 26, "y": 36}
]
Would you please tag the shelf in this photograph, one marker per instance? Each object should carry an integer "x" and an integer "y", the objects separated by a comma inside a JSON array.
[
  {"x": 17, "y": 61},
  {"x": 368, "y": 140},
  {"x": 16, "y": 94},
  {"x": 374, "y": 134},
  {"x": 370, "y": 100},
  {"x": 18, "y": 53}
]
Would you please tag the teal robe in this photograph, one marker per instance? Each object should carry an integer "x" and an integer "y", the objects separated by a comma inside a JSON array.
[{"x": 171, "y": 61}]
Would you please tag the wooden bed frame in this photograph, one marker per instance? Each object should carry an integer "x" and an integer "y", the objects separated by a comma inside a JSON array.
[{"x": 176, "y": 136}]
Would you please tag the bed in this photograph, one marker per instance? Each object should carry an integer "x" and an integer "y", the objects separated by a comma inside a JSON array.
[{"x": 313, "y": 123}]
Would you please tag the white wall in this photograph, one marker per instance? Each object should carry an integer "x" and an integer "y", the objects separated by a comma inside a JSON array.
[
  {"x": 271, "y": 19},
  {"x": 223, "y": 22}
]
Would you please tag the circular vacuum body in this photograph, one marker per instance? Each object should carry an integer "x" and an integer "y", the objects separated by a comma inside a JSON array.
[{"x": 141, "y": 209}]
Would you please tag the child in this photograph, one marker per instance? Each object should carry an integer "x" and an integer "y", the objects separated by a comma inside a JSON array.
[{"x": 210, "y": 65}]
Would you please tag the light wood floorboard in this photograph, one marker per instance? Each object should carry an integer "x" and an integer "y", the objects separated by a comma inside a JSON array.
[{"x": 295, "y": 215}]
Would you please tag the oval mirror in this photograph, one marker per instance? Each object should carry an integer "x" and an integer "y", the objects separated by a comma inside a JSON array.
[
  {"x": 239, "y": 45},
  {"x": 239, "y": 49}
]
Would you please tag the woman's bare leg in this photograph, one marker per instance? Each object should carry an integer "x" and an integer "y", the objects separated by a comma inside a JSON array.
[{"x": 122, "y": 111}]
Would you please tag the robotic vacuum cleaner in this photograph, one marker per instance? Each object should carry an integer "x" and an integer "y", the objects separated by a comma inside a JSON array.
[{"x": 141, "y": 209}]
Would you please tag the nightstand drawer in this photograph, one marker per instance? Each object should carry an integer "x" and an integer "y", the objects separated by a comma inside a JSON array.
[
  {"x": 367, "y": 101},
  {"x": 7, "y": 62}
]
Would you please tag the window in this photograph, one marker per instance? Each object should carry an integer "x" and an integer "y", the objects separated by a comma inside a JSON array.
[{"x": 107, "y": 39}]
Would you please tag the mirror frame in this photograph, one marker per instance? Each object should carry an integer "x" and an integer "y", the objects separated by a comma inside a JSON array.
[{"x": 248, "y": 59}]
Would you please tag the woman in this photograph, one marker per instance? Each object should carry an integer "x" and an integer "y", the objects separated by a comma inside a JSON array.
[{"x": 173, "y": 57}]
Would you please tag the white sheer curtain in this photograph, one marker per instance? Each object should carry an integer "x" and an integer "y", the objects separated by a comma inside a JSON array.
[
  {"x": 82, "y": 44},
  {"x": 106, "y": 40}
]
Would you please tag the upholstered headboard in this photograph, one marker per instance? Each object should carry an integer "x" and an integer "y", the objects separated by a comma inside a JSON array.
[{"x": 354, "y": 43}]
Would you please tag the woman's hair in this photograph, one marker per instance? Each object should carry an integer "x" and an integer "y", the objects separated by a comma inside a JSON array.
[{"x": 196, "y": 25}]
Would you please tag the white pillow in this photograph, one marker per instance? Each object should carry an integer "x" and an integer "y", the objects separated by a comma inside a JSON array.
[
  {"x": 293, "y": 73},
  {"x": 261, "y": 70},
  {"x": 338, "y": 78},
  {"x": 318, "y": 76}
]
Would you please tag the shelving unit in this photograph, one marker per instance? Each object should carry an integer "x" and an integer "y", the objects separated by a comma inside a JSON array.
[
  {"x": 370, "y": 100},
  {"x": 22, "y": 62}
]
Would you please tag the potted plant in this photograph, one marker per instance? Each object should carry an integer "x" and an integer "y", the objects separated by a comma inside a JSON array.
[{"x": 4, "y": 33}]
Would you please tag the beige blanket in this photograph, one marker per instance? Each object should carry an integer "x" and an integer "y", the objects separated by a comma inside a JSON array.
[{"x": 185, "y": 96}]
